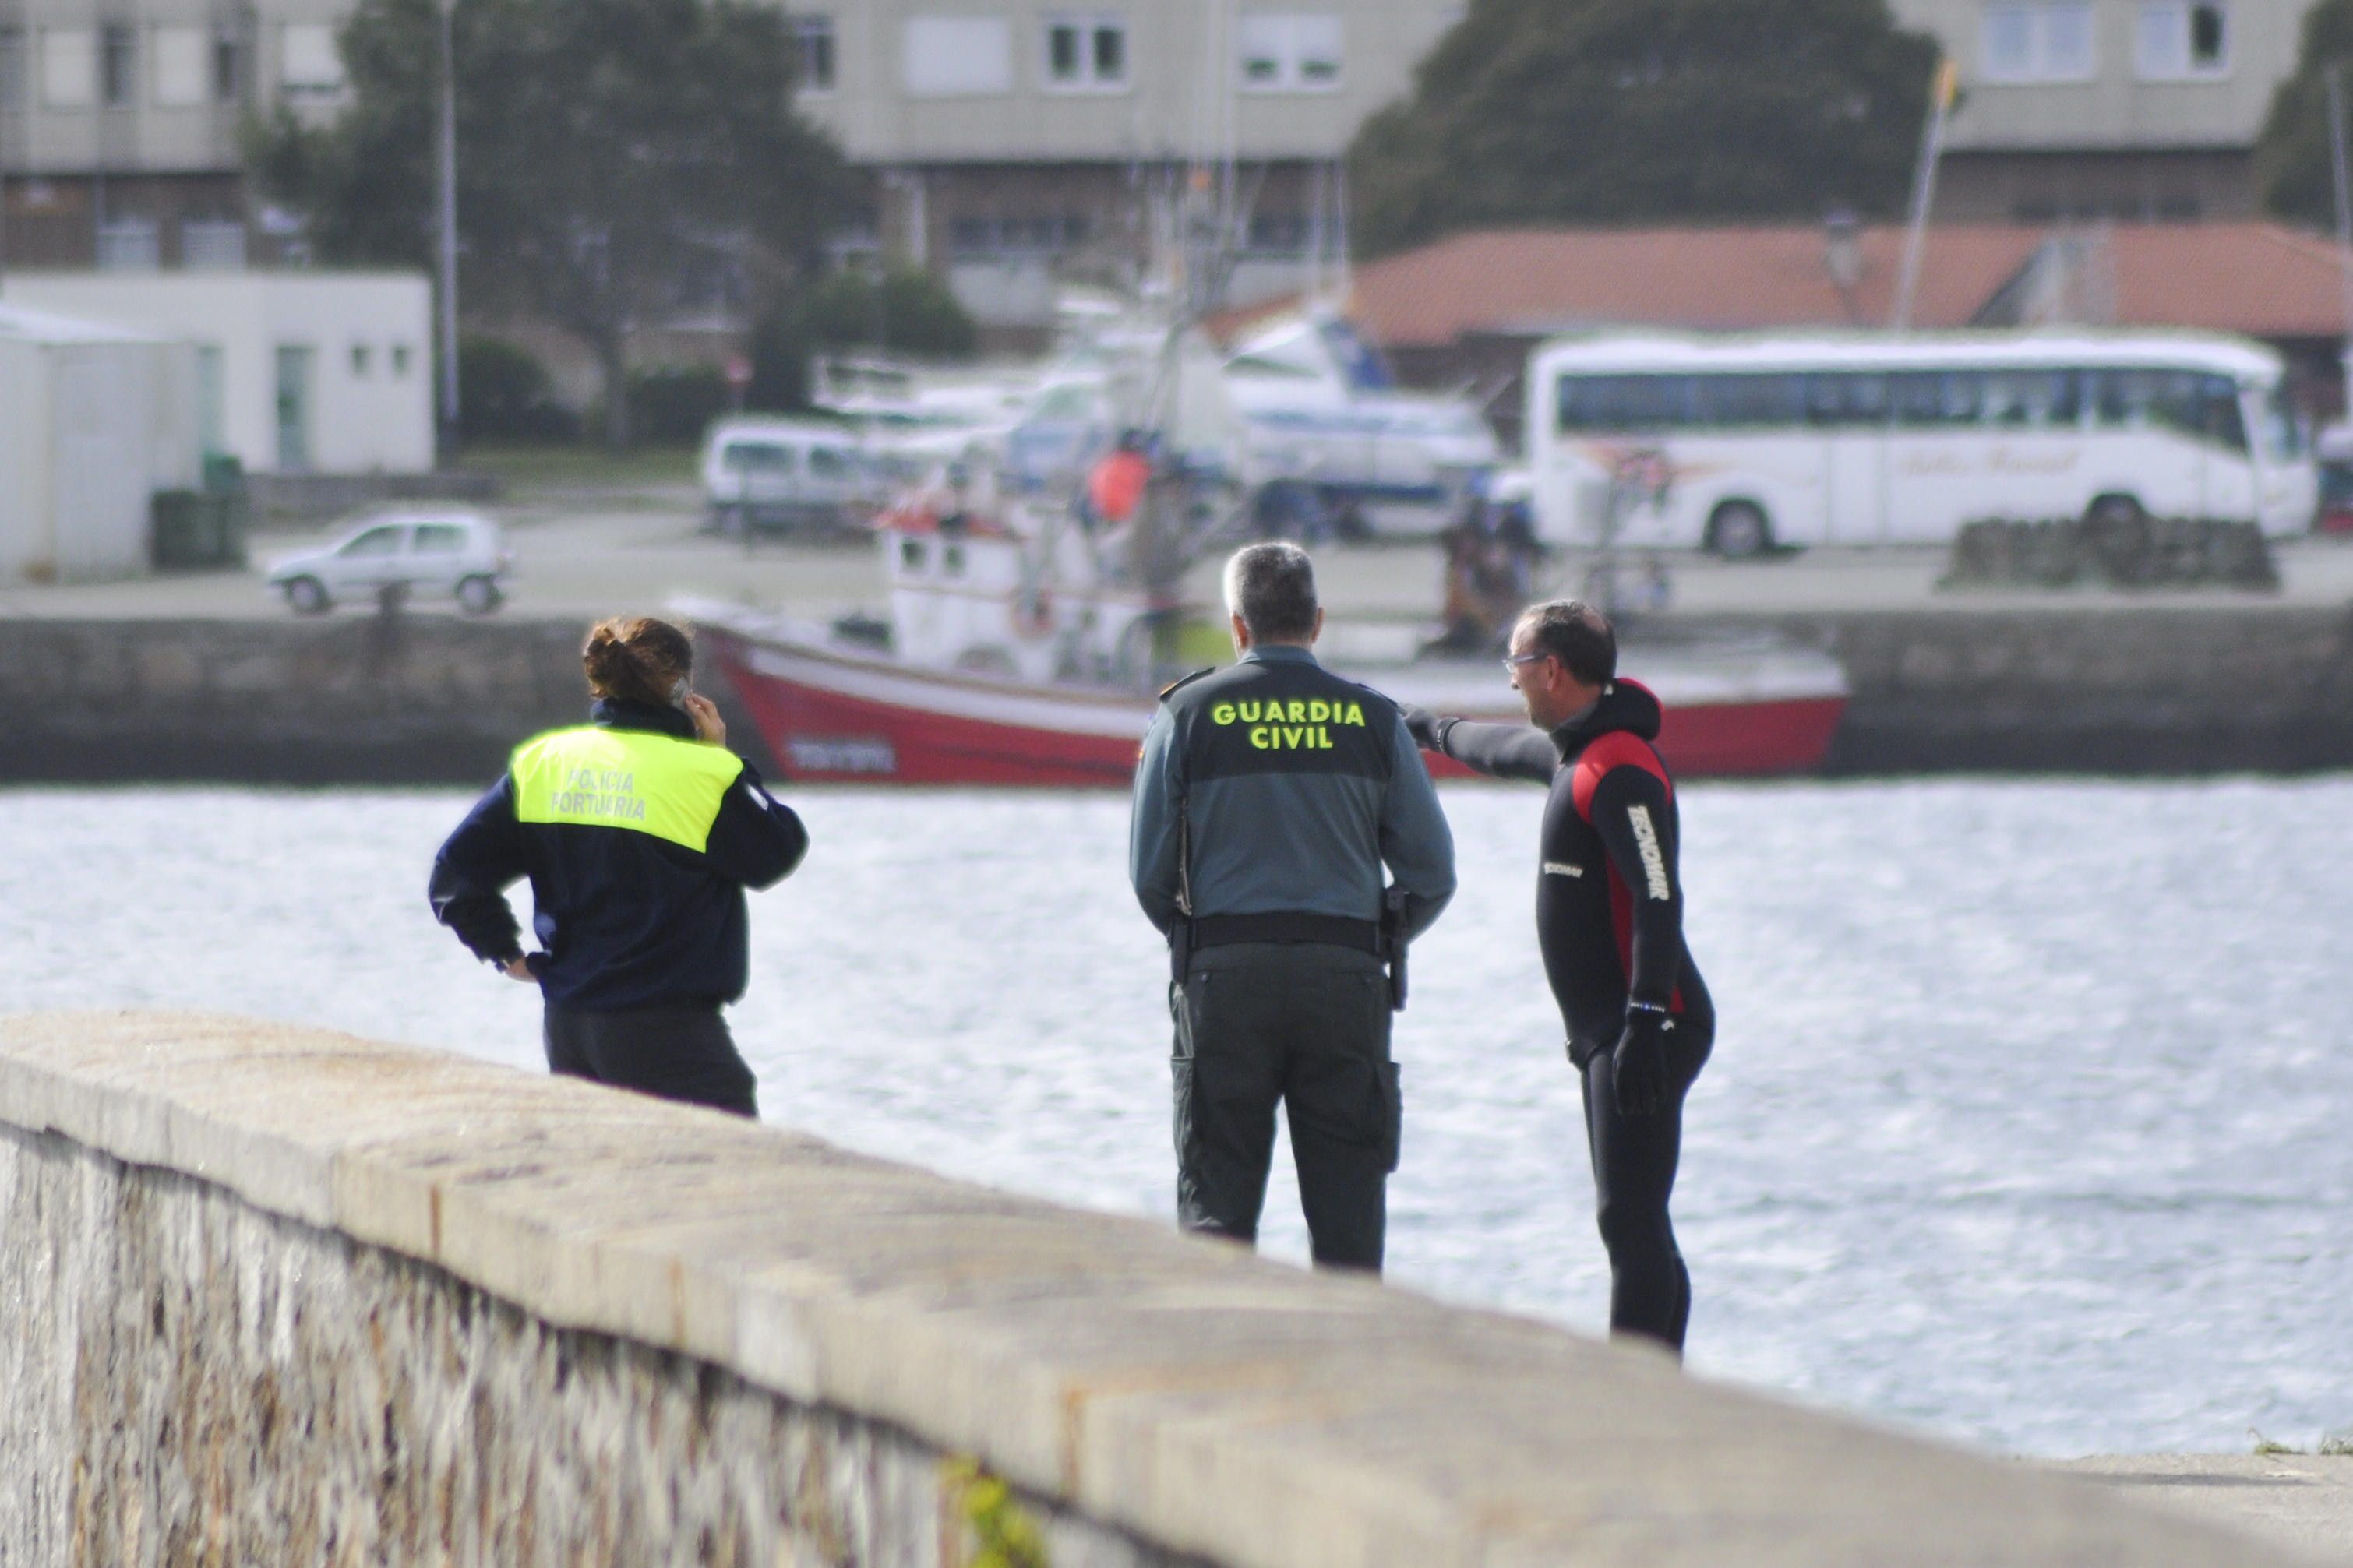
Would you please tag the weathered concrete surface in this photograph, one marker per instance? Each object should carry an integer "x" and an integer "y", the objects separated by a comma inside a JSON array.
[
  {"x": 359, "y": 698},
  {"x": 195, "y": 1380},
  {"x": 2104, "y": 690},
  {"x": 1169, "y": 1391},
  {"x": 2301, "y": 1501}
]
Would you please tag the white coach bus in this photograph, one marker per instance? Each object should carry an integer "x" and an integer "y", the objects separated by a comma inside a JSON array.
[{"x": 1859, "y": 439}]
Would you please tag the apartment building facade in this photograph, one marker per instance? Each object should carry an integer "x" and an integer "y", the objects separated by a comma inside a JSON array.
[
  {"x": 121, "y": 125},
  {"x": 2136, "y": 110},
  {"x": 1013, "y": 143}
]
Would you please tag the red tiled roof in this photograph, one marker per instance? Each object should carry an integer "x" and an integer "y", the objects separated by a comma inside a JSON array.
[
  {"x": 2259, "y": 279},
  {"x": 2253, "y": 278}
]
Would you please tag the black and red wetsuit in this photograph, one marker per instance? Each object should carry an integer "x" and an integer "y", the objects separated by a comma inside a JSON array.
[{"x": 1610, "y": 909}]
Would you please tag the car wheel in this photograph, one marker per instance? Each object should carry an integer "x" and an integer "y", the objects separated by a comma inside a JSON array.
[
  {"x": 1739, "y": 531},
  {"x": 308, "y": 596},
  {"x": 479, "y": 596}
]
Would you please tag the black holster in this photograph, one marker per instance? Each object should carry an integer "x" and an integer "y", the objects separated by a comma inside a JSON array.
[
  {"x": 1180, "y": 949},
  {"x": 1394, "y": 903}
]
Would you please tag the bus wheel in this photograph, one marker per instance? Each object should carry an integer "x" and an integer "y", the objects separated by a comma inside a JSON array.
[
  {"x": 2110, "y": 510},
  {"x": 1738, "y": 529}
]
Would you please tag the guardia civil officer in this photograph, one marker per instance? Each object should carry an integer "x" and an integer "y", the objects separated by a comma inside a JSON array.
[
  {"x": 1268, "y": 798},
  {"x": 1610, "y": 909},
  {"x": 639, "y": 832}
]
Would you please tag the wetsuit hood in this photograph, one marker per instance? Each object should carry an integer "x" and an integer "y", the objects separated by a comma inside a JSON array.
[{"x": 1626, "y": 705}]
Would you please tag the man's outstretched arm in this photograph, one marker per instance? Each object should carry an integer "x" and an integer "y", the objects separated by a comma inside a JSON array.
[{"x": 1499, "y": 751}]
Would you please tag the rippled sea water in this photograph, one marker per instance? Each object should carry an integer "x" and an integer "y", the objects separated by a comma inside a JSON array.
[{"x": 2030, "y": 1122}]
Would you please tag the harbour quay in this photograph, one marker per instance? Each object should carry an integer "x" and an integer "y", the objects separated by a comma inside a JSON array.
[
  {"x": 207, "y": 677},
  {"x": 310, "y": 1298}
]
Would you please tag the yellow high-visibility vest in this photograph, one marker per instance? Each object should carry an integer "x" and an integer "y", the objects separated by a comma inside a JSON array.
[{"x": 637, "y": 780}]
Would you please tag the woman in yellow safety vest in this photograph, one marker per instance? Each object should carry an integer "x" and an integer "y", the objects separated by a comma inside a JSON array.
[{"x": 639, "y": 831}]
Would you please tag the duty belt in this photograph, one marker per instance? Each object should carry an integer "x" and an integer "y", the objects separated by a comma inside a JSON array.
[{"x": 1336, "y": 931}]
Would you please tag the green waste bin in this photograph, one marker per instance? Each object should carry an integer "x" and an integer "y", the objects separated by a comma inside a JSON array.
[{"x": 196, "y": 529}]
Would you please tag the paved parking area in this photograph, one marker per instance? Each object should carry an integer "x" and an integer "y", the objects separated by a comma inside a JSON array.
[{"x": 583, "y": 555}]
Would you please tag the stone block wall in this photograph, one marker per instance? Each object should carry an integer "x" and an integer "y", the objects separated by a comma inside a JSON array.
[{"x": 273, "y": 1295}]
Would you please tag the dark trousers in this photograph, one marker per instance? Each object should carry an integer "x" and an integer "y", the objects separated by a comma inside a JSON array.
[
  {"x": 1307, "y": 1025},
  {"x": 1634, "y": 1160},
  {"x": 675, "y": 1053}
]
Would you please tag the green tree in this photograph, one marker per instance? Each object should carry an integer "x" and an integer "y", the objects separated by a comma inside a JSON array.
[
  {"x": 1610, "y": 112},
  {"x": 615, "y": 159},
  {"x": 2292, "y": 159},
  {"x": 906, "y": 312}
]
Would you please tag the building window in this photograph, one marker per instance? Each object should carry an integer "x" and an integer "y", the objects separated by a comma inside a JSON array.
[
  {"x": 958, "y": 56},
  {"x": 1085, "y": 53},
  {"x": 212, "y": 245},
  {"x": 1288, "y": 51},
  {"x": 813, "y": 47},
  {"x": 2049, "y": 40},
  {"x": 359, "y": 359},
  {"x": 399, "y": 359},
  {"x": 68, "y": 67},
  {"x": 228, "y": 67},
  {"x": 12, "y": 68},
  {"x": 2178, "y": 41},
  {"x": 309, "y": 64},
  {"x": 127, "y": 245},
  {"x": 118, "y": 64},
  {"x": 182, "y": 67}
]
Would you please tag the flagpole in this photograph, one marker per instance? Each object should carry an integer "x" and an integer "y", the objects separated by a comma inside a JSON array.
[{"x": 1923, "y": 189}]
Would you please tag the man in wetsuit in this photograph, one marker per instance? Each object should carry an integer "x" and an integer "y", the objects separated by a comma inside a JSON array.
[
  {"x": 1268, "y": 798},
  {"x": 1610, "y": 911}
]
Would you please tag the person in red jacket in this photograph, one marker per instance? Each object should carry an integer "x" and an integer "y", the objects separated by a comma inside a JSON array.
[
  {"x": 1610, "y": 908},
  {"x": 1117, "y": 485}
]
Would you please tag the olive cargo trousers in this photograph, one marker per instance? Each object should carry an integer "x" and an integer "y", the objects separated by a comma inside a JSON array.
[{"x": 1307, "y": 1025}]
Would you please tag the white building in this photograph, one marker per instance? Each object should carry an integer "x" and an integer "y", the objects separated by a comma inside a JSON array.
[
  {"x": 295, "y": 371},
  {"x": 2141, "y": 110},
  {"x": 93, "y": 420}
]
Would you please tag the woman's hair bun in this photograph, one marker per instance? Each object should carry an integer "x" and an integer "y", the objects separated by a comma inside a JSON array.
[{"x": 636, "y": 659}]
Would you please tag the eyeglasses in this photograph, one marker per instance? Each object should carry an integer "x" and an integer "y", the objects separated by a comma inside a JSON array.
[{"x": 1512, "y": 663}]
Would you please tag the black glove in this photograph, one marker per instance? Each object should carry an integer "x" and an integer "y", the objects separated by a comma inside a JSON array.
[
  {"x": 1638, "y": 1063},
  {"x": 1425, "y": 727}
]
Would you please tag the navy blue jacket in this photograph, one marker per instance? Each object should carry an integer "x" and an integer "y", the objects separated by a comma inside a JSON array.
[{"x": 632, "y": 909}]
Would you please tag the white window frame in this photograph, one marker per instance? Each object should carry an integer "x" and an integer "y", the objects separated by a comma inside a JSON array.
[
  {"x": 816, "y": 25},
  {"x": 1089, "y": 26},
  {"x": 69, "y": 68},
  {"x": 2042, "y": 20},
  {"x": 955, "y": 57},
  {"x": 2161, "y": 40},
  {"x": 299, "y": 51},
  {"x": 180, "y": 67},
  {"x": 1291, "y": 44}
]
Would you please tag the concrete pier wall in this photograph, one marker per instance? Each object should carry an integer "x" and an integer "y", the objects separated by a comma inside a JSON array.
[
  {"x": 274, "y": 1295},
  {"x": 429, "y": 699}
]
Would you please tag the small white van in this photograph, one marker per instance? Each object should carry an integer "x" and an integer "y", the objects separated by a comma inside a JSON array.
[{"x": 786, "y": 476}]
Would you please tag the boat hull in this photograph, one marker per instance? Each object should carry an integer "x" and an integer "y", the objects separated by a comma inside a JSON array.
[{"x": 839, "y": 715}]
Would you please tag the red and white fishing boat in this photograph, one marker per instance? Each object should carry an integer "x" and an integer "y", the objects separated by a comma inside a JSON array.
[{"x": 994, "y": 675}]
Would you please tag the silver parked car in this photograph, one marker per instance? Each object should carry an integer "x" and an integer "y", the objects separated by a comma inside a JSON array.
[{"x": 458, "y": 553}]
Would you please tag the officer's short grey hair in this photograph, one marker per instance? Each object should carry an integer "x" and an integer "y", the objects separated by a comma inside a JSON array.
[{"x": 1273, "y": 588}]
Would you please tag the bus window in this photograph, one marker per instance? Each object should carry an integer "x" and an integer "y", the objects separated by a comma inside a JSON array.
[
  {"x": 2283, "y": 432},
  {"x": 1624, "y": 402},
  {"x": 1849, "y": 398},
  {"x": 2145, "y": 399},
  {"x": 1938, "y": 397},
  {"x": 2032, "y": 399},
  {"x": 2218, "y": 419},
  {"x": 1750, "y": 400}
]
